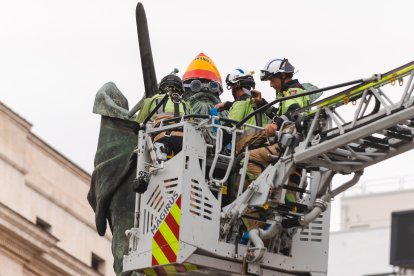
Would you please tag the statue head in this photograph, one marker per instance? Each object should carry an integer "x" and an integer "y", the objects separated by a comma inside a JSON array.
[{"x": 202, "y": 75}]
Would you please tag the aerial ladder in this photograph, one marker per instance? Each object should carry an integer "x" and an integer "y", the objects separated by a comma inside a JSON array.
[{"x": 185, "y": 222}]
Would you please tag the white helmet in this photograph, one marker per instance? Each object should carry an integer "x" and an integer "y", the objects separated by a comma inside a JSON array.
[
  {"x": 275, "y": 66},
  {"x": 240, "y": 77}
]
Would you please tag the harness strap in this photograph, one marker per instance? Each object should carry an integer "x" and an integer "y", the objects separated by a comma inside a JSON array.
[
  {"x": 267, "y": 148},
  {"x": 262, "y": 167},
  {"x": 161, "y": 108},
  {"x": 176, "y": 109},
  {"x": 186, "y": 111},
  {"x": 258, "y": 117}
]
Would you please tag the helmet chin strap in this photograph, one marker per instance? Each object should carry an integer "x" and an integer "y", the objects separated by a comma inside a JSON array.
[
  {"x": 245, "y": 91},
  {"x": 282, "y": 86},
  {"x": 234, "y": 94}
]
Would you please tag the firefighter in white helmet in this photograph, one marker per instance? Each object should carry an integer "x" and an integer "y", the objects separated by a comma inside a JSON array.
[
  {"x": 241, "y": 83},
  {"x": 279, "y": 72}
]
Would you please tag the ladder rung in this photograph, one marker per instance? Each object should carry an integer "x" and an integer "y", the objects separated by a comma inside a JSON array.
[
  {"x": 399, "y": 136},
  {"x": 254, "y": 218},
  {"x": 222, "y": 156},
  {"x": 376, "y": 146},
  {"x": 287, "y": 209},
  {"x": 357, "y": 149},
  {"x": 290, "y": 205},
  {"x": 336, "y": 156},
  {"x": 295, "y": 189},
  {"x": 402, "y": 131},
  {"x": 377, "y": 140}
]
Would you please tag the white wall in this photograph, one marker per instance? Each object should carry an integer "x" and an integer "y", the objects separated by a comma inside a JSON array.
[{"x": 359, "y": 252}]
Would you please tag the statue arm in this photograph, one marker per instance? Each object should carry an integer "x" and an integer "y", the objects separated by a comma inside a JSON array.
[{"x": 145, "y": 110}]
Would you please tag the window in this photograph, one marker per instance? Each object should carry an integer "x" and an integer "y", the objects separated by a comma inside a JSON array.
[
  {"x": 43, "y": 225},
  {"x": 98, "y": 264}
]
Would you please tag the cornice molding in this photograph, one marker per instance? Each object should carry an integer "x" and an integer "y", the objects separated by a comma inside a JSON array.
[
  {"x": 26, "y": 126},
  {"x": 26, "y": 230},
  {"x": 19, "y": 168},
  {"x": 15, "y": 117},
  {"x": 65, "y": 162},
  {"x": 64, "y": 208},
  {"x": 35, "y": 248}
]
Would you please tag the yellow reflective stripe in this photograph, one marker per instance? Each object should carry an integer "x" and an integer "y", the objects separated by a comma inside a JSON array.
[
  {"x": 158, "y": 254},
  {"x": 170, "y": 269},
  {"x": 150, "y": 272},
  {"x": 384, "y": 80},
  {"x": 224, "y": 190},
  {"x": 290, "y": 196},
  {"x": 169, "y": 237},
  {"x": 190, "y": 267},
  {"x": 175, "y": 212}
]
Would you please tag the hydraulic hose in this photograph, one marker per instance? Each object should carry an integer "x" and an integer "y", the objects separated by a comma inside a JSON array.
[
  {"x": 321, "y": 204},
  {"x": 257, "y": 236}
]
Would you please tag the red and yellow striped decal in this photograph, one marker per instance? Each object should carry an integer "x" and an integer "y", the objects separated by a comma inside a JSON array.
[
  {"x": 170, "y": 269},
  {"x": 165, "y": 242}
]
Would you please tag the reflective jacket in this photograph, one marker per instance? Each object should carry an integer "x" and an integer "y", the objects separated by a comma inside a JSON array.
[
  {"x": 243, "y": 107},
  {"x": 168, "y": 108},
  {"x": 291, "y": 88}
]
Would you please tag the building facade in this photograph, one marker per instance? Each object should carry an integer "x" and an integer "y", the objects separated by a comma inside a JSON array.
[
  {"x": 46, "y": 224},
  {"x": 362, "y": 245}
]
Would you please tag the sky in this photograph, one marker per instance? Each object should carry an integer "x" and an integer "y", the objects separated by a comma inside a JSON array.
[{"x": 55, "y": 55}]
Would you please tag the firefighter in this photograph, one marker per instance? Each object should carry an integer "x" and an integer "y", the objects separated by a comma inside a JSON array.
[
  {"x": 202, "y": 84},
  {"x": 174, "y": 106},
  {"x": 241, "y": 82},
  {"x": 279, "y": 71}
]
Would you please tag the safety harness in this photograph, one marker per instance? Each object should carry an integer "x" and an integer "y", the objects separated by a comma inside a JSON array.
[{"x": 161, "y": 109}]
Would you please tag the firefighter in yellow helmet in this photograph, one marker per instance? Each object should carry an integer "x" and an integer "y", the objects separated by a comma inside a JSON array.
[{"x": 202, "y": 84}]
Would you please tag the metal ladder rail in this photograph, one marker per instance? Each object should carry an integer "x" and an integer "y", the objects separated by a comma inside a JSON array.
[
  {"x": 354, "y": 93},
  {"x": 340, "y": 152},
  {"x": 218, "y": 148},
  {"x": 394, "y": 123},
  {"x": 361, "y": 117}
]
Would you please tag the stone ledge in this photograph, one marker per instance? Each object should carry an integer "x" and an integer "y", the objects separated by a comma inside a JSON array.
[
  {"x": 35, "y": 248},
  {"x": 65, "y": 208},
  {"x": 15, "y": 117}
]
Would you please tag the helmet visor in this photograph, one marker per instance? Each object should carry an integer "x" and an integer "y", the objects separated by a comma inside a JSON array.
[
  {"x": 247, "y": 82},
  {"x": 265, "y": 75}
]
